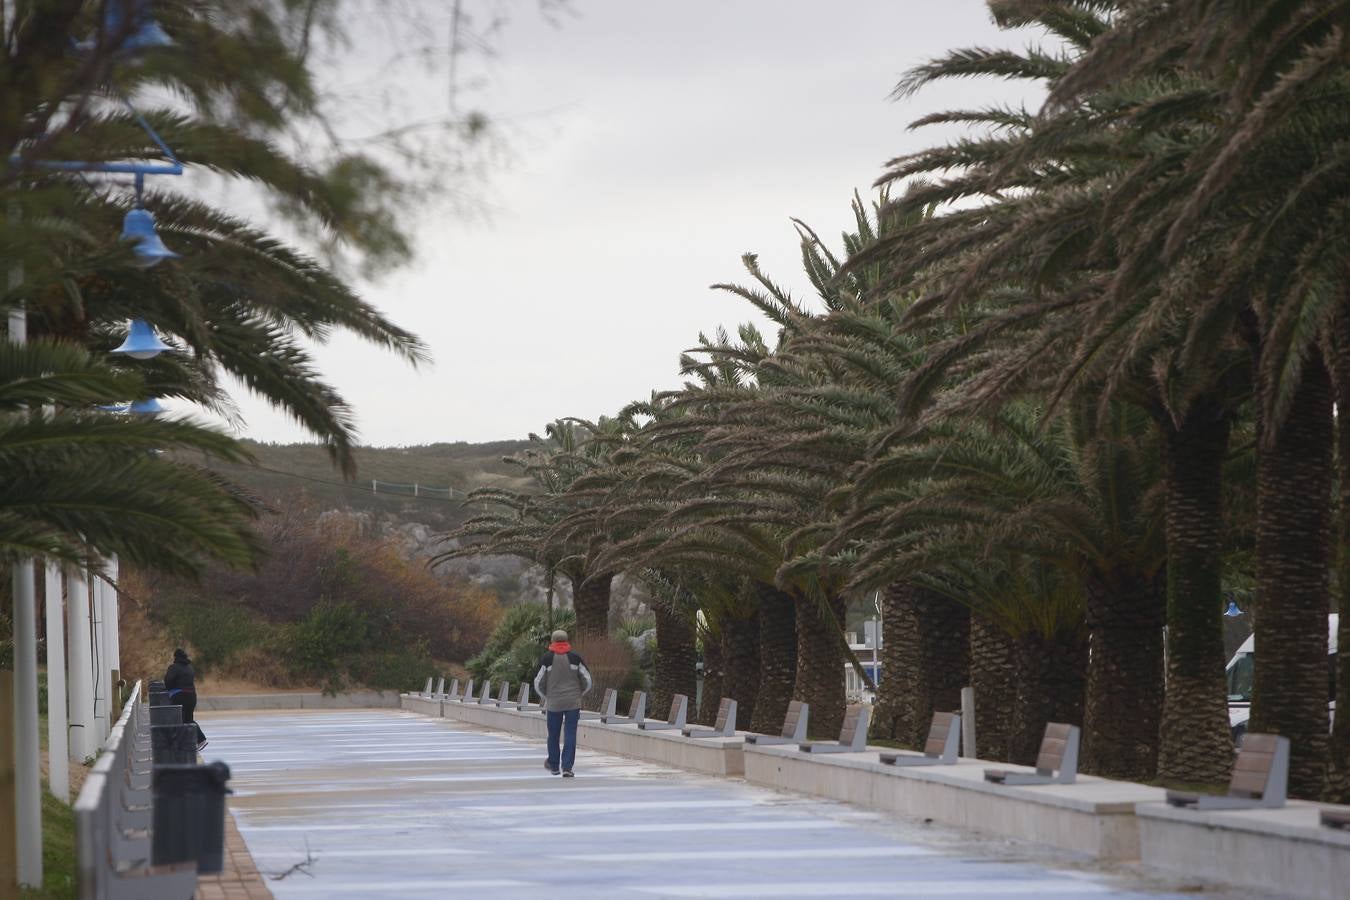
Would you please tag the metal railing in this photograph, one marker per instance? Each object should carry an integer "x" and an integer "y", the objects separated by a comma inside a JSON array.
[{"x": 113, "y": 818}]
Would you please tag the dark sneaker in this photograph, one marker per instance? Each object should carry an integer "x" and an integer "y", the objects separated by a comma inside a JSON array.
[
  {"x": 553, "y": 771},
  {"x": 567, "y": 773},
  {"x": 201, "y": 745}
]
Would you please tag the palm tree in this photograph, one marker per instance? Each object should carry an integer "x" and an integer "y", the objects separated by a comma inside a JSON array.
[{"x": 82, "y": 483}]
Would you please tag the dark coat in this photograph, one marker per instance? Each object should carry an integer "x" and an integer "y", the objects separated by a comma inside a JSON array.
[{"x": 179, "y": 677}]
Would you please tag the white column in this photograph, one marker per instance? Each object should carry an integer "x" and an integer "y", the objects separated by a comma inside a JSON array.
[
  {"x": 58, "y": 779},
  {"x": 98, "y": 655},
  {"x": 112, "y": 641},
  {"x": 84, "y": 741},
  {"x": 27, "y": 771}
]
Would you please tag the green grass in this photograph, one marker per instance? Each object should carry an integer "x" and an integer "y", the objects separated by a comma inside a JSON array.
[{"x": 58, "y": 851}]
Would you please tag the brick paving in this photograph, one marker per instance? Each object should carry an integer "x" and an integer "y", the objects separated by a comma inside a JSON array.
[{"x": 239, "y": 879}]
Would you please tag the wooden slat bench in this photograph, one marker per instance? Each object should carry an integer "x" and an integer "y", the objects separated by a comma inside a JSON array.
[
  {"x": 941, "y": 748},
  {"x": 1260, "y": 778},
  {"x": 1057, "y": 763}
]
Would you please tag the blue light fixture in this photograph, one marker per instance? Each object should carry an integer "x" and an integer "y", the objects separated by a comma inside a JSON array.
[
  {"x": 139, "y": 228},
  {"x": 148, "y": 407},
  {"x": 144, "y": 34},
  {"x": 142, "y": 342},
  {"x": 1232, "y": 609}
]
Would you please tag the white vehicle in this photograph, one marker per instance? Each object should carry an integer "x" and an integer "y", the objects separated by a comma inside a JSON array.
[{"x": 1241, "y": 667}]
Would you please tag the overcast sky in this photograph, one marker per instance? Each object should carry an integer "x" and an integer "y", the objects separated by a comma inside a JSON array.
[{"x": 653, "y": 144}]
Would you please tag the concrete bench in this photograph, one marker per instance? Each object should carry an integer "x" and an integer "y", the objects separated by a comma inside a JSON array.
[
  {"x": 486, "y": 696},
  {"x": 1057, "y": 762},
  {"x": 1260, "y": 778},
  {"x": 723, "y": 726},
  {"x": 608, "y": 701},
  {"x": 504, "y": 695},
  {"x": 941, "y": 748},
  {"x": 1331, "y": 818},
  {"x": 637, "y": 712},
  {"x": 679, "y": 709},
  {"x": 523, "y": 703},
  {"x": 794, "y": 727},
  {"x": 453, "y": 693},
  {"x": 852, "y": 734}
]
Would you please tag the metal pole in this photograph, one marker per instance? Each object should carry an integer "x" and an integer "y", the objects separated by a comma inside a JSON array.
[
  {"x": 97, "y": 667},
  {"x": 83, "y": 741},
  {"x": 58, "y": 748}
]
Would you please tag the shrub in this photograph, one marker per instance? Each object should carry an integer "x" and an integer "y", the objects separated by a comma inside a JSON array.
[
  {"x": 217, "y": 632},
  {"x": 610, "y": 663},
  {"x": 393, "y": 670},
  {"x": 330, "y": 634}
]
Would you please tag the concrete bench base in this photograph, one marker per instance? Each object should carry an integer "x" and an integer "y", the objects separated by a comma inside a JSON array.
[
  {"x": 1282, "y": 851},
  {"x": 1094, "y": 817},
  {"x": 710, "y": 756},
  {"x": 299, "y": 700}
]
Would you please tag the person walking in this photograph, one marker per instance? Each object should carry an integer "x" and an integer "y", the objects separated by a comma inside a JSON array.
[
  {"x": 180, "y": 682},
  {"x": 562, "y": 681}
]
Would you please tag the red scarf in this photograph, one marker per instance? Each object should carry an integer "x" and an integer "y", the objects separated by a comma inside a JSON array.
[{"x": 560, "y": 647}]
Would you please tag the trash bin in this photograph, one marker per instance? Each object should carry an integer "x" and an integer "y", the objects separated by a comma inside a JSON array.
[
  {"x": 157, "y": 687},
  {"x": 159, "y": 698},
  {"x": 173, "y": 744},
  {"x": 189, "y": 818},
  {"x": 166, "y": 715}
]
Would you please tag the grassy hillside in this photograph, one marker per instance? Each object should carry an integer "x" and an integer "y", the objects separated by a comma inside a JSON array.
[{"x": 442, "y": 472}]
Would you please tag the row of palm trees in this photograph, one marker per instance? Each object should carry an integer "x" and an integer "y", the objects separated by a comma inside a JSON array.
[
  {"x": 1071, "y": 378},
  {"x": 228, "y": 94}
]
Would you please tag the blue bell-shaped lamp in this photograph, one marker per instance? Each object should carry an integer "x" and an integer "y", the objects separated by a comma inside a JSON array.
[
  {"x": 147, "y": 407},
  {"x": 139, "y": 228},
  {"x": 145, "y": 33},
  {"x": 1232, "y": 609},
  {"x": 142, "y": 342}
]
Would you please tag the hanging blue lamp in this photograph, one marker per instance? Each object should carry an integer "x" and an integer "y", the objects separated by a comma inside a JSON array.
[
  {"x": 139, "y": 228},
  {"x": 142, "y": 342},
  {"x": 144, "y": 32},
  {"x": 1232, "y": 609},
  {"x": 147, "y": 407}
]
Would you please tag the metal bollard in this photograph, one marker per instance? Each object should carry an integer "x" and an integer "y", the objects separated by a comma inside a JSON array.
[
  {"x": 166, "y": 715},
  {"x": 189, "y": 824},
  {"x": 173, "y": 744}
]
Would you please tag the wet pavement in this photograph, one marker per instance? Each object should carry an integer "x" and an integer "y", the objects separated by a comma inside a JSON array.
[{"x": 384, "y": 803}]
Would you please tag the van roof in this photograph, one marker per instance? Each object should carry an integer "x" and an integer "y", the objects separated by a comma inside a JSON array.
[{"x": 1333, "y": 625}]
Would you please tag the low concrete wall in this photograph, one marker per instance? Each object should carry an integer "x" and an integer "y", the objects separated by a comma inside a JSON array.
[
  {"x": 711, "y": 756},
  {"x": 303, "y": 700},
  {"x": 1283, "y": 851},
  {"x": 1094, "y": 817}
]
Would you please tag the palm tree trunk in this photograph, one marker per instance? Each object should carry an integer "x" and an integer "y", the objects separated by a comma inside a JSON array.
[
  {"x": 777, "y": 658},
  {"x": 820, "y": 666},
  {"x": 1123, "y": 708},
  {"x": 993, "y": 674},
  {"x": 927, "y": 640},
  {"x": 893, "y": 712},
  {"x": 740, "y": 660},
  {"x": 1195, "y": 746},
  {"x": 714, "y": 678},
  {"x": 1050, "y": 677},
  {"x": 590, "y": 598},
  {"x": 1338, "y": 769},
  {"x": 675, "y": 666},
  {"x": 1294, "y": 473}
]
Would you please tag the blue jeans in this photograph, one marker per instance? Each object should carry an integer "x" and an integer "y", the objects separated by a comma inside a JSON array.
[{"x": 563, "y": 724}]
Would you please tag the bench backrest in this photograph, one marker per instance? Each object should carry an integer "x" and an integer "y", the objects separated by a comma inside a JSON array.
[
  {"x": 440, "y": 687},
  {"x": 794, "y": 723},
  {"x": 943, "y": 736},
  {"x": 427, "y": 689},
  {"x": 637, "y": 709},
  {"x": 487, "y": 692},
  {"x": 468, "y": 691},
  {"x": 504, "y": 695},
  {"x": 1059, "y": 751},
  {"x": 1262, "y": 769},
  {"x": 454, "y": 689},
  {"x": 854, "y": 730},
  {"x": 523, "y": 699},
  {"x": 725, "y": 709},
  {"x": 679, "y": 709},
  {"x": 609, "y": 702}
]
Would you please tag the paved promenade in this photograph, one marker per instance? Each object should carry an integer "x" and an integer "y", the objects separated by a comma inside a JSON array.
[{"x": 382, "y": 803}]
